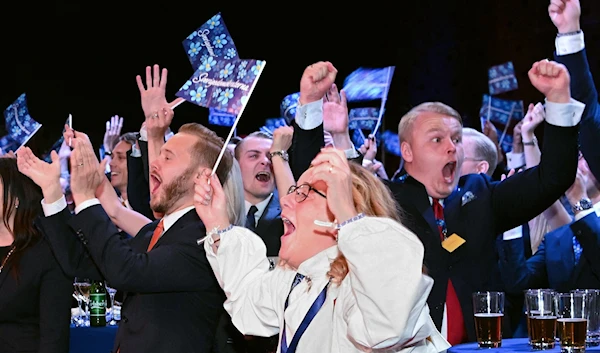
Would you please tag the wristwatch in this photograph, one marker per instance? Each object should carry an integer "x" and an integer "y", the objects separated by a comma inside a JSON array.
[
  {"x": 582, "y": 205},
  {"x": 283, "y": 154},
  {"x": 531, "y": 143}
]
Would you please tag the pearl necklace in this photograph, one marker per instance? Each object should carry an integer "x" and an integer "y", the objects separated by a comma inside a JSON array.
[{"x": 6, "y": 258}]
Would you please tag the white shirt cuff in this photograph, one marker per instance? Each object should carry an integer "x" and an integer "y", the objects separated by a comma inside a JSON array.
[
  {"x": 515, "y": 160},
  {"x": 366, "y": 162},
  {"x": 564, "y": 114},
  {"x": 50, "y": 209},
  {"x": 570, "y": 44},
  {"x": 514, "y": 233},
  {"x": 309, "y": 116},
  {"x": 351, "y": 153},
  {"x": 143, "y": 134},
  {"x": 85, "y": 204},
  {"x": 135, "y": 151}
]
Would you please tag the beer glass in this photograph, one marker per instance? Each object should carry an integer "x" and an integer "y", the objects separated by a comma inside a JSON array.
[
  {"x": 489, "y": 311},
  {"x": 541, "y": 318},
  {"x": 572, "y": 320},
  {"x": 592, "y": 300}
]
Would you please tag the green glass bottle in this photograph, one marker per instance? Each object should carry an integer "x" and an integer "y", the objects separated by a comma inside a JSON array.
[{"x": 97, "y": 304}]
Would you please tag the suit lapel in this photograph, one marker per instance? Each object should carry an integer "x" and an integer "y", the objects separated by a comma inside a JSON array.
[
  {"x": 272, "y": 212},
  {"x": 419, "y": 198},
  {"x": 185, "y": 220}
]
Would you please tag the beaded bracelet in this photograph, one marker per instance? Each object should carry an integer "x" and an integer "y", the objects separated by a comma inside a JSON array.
[
  {"x": 216, "y": 231},
  {"x": 353, "y": 219}
]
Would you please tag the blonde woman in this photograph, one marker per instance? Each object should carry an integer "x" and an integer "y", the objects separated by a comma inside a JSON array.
[{"x": 350, "y": 278}]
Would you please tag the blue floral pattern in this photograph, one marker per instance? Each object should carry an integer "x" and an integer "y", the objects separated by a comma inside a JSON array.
[
  {"x": 223, "y": 87},
  {"x": 19, "y": 124},
  {"x": 7, "y": 144},
  {"x": 498, "y": 110},
  {"x": 363, "y": 118},
  {"x": 220, "y": 118},
  {"x": 368, "y": 84},
  {"x": 212, "y": 39},
  {"x": 272, "y": 124},
  {"x": 391, "y": 143},
  {"x": 501, "y": 78},
  {"x": 288, "y": 107}
]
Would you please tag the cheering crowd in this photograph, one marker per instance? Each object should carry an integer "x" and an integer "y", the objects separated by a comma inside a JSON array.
[{"x": 298, "y": 240}]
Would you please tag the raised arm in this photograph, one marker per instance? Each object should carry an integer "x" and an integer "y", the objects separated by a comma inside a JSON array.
[
  {"x": 537, "y": 188},
  {"x": 282, "y": 140}
]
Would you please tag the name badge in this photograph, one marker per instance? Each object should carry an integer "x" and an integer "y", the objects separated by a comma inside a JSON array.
[{"x": 453, "y": 242}]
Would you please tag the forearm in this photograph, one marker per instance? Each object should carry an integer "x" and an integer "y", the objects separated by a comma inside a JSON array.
[
  {"x": 284, "y": 178},
  {"x": 556, "y": 215},
  {"x": 342, "y": 141},
  {"x": 128, "y": 220},
  {"x": 154, "y": 146},
  {"x": 533, "y": 154}
]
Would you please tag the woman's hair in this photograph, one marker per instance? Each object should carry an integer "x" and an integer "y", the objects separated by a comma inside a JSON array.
[
  {"x": 372, "y": 198},
  {"x": 21, "y": 199},
  {"x": 234, "y": 193}
]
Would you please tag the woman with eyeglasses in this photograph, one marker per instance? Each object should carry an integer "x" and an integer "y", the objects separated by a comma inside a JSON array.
[
  {"x": 35, "y": 294},
  {"x": 351, "y": 275}
]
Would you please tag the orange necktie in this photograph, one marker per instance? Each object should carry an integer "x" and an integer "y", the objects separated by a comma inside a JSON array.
[{"x": 156, "y": 235}]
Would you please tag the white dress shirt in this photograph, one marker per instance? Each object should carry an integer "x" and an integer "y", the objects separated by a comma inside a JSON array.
[
  {"x": 381, "y": 304},
  {"x": 309, "y": 116}
]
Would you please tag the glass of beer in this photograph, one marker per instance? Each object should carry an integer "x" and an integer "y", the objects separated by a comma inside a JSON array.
[
  {"x": 489, "y": 311},
  {"x": 572, "y": 320},
  {"x": 541, "y": 318},
  {"x": 592, "y": 300}
]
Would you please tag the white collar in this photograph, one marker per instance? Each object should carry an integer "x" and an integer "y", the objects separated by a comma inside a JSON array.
[
  {"x": 318, "y": 265},
  {"x": 261, "y": 206},
  {"x": 169, "y": 220}
]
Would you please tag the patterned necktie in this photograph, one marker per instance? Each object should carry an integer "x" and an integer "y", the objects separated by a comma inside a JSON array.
[
  {"x": 456, "y": 323},
  {"x": 250, "y": 220},
  {"x": 577, "y": 250},
  {"x": 156, "y": 235}
]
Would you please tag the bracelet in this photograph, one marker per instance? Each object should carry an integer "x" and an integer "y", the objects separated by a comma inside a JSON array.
[
  {"x": 353, "y": 219},
  {"x": 530, "y": 143},
  {"x": 217, "y": 231}
]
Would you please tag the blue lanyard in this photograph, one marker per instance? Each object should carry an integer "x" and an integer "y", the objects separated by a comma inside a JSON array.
[{"x": 310, "y": 315}]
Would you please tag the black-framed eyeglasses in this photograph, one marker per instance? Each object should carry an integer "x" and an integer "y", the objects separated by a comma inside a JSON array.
[{"x": 302, "y": 192}]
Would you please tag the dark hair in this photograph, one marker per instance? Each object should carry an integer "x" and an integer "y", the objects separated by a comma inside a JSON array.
[
  {"x": 129, "y": 137},
  {"x": 21, "y": 198}
]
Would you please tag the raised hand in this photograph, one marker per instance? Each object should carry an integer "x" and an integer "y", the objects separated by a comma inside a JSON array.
[
  {"x": 112, "y": 133},
  {"x": 86, "y": 172},
  {"x": 535, "y": 115},
  {"x": 282, "y": 138},
  {"x": 45, "y": 175},
  {"x": 210, "y": 201},
  {"x": 316, "y": 81},
  {"x": 331, "y": 167},
  {"x": 369, "y": 149},
  {"x": 335, "y": 111},
  {"x": 153, "y": 95},
  {"x": 490, "y": 131},
  {"x": 552, "y": 80},
  {"x": 565, "y": 15}
]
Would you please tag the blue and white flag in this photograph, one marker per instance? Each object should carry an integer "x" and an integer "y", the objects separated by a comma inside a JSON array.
[
  {"x": 19, "y": 124},
  {"x": 211, "y": 40},
  {"x": 368, "y": 84}
]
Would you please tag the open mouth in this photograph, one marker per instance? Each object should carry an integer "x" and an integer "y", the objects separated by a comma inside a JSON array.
[
  {"x": 113, "y": 174},
  {"x": 448, "y": 172},
  {"x": 155, "y": 183},
  {"x": 288, "y": 227},
  {"x": 263, "y": 177}
]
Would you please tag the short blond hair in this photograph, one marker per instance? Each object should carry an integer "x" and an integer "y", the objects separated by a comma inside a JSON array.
[
  {"x": 484, "y": 148},
  {"x": 407, "y": 121}
]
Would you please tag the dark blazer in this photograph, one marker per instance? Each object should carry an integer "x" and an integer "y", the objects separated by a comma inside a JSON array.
[
  {"x": 553, "y": 265},
  {"x": 270, "y": 226},
  {"x": 584, "y": 90},
  {"x": 496, "y": 208},
  {"x": 138, "y": 187},
  {"x": 172, "y": 301},
  {"x": 35, "y": 310}
]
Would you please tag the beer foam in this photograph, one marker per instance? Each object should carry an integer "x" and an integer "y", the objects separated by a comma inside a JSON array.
[
  {"x": 488, "y": 315},
  {"x": 571, "y": 319},
  {"x": 542, "y": 317}
]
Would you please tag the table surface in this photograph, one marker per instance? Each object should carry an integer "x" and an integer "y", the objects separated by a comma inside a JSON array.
[
  {"x": 509, "y": 345},
  {"x": 92, "y": 339}
]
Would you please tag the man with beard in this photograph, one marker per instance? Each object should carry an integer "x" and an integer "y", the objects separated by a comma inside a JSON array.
[{"x": 172, "y": 301}]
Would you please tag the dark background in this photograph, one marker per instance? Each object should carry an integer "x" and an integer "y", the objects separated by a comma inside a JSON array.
[{"x": 82, "y": 57}]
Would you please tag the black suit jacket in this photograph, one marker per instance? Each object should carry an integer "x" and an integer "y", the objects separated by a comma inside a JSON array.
[
  {"x": 138, "y": 188},
  {"x": 270, "y": 226},
  {"x": 496, "y": 208},
  {"x": 553, "y": 265},
  {"x": 172, "y": 301},
  {"x": 35, "y": 310}
]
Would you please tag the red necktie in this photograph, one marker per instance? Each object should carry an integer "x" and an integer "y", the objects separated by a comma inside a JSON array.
[
  {"x": 156, "y": 235},
  {"x": 456, "y": 323}
]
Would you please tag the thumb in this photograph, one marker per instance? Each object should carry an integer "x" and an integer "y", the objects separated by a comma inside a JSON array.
[
  {"x": 102, "y": 167},
  {"x": 54, "y": 157}
]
